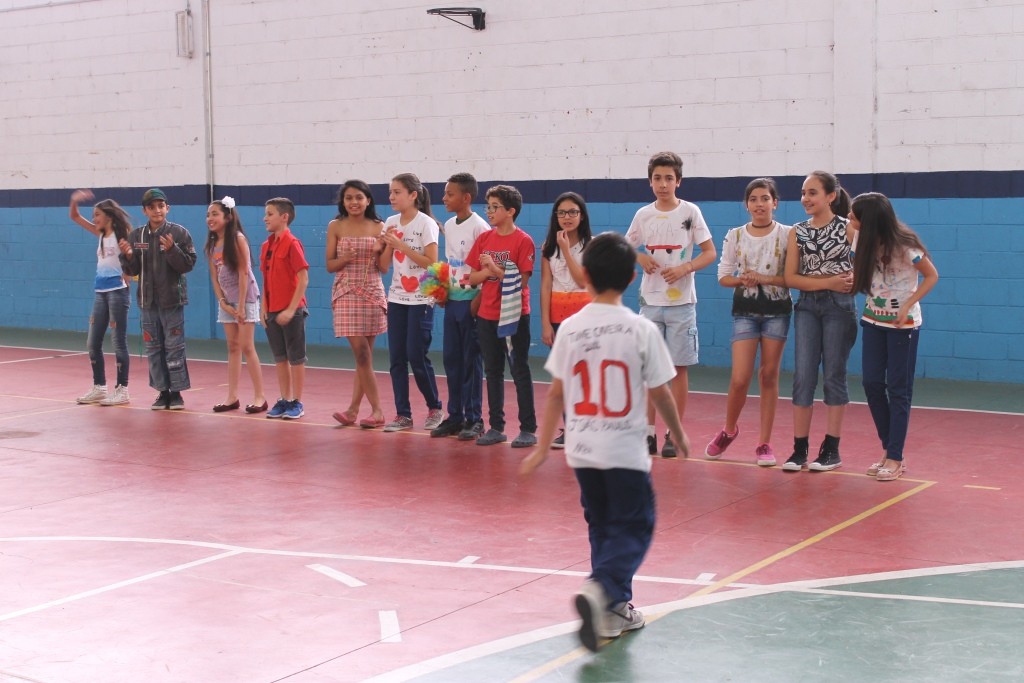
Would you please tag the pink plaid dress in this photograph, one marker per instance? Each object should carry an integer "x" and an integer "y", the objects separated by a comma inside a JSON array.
[{"x": 357, "y": 299}]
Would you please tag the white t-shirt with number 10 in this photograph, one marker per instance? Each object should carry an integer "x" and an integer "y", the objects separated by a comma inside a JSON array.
[{"x": 606, "y": 356}]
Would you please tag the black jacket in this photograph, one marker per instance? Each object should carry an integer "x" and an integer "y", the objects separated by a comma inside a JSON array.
[{"x": 161, "y": 273}]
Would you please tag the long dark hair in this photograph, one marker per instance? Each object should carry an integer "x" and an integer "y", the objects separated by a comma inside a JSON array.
[
  {"x": 120, "y": 221},
  {"x": 550, "y": 246},
  {"x": 841, "y": 204},
  {"x": 882, "y": 237},
  {"x": 360, "y": 186},
  {"x": 232, "y": 229}
]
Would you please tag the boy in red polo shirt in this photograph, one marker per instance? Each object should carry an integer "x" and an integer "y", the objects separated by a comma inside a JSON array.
[{"x": 283, "y": 307}]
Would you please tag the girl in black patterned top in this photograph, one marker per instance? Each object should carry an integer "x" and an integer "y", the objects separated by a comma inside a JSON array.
[{"x": 818, "y": 264}]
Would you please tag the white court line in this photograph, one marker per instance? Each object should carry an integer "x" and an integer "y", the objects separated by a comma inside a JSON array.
[
  {"x": 389, "y": 630},
  {"x": 114, "y": 586},
  {"x": 706, "y": 577},
  {"x": 350, "y": 581},
  {"x": 469, "y": 559},
  {"x": 383, "y": 372},
  {"x": 357, "y": 558},
  {"x": 26, "y": 360},
  {"x": 914, "y": 598}
]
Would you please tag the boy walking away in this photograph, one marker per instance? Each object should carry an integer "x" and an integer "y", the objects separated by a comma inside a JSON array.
[
  {"x": 667, "y": 231},
  {"x": 502, "y": 261},
  {"x": 283, "y": 306},
  {"x": 604, "y": 362},
  {"x": 160, "y": 253},
  {"x": 462, "y": 362}
]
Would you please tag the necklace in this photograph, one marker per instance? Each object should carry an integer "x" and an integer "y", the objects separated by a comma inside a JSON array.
[{"x": 762, "y": 227}]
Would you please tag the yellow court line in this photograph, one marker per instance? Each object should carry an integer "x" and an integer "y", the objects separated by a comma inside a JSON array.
[
  {"x": 984, "y": 488},
  {"x": 569, "y": 657},
  {"x": 17, "y": 416}
]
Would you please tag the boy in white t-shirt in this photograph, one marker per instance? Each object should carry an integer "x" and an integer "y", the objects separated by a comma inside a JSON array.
[
  {"x": 604, "y": 363},
  {"x": 462, "y": 361},
  {"x": 667, "y": 231}
]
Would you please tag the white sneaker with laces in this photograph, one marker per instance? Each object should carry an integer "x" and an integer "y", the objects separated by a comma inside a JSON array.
[
  {"x": 434, "y": 418},
  {"x": 95, "y": 395},
  {"x": 118, "y": 397},
  {"x": 622, "y": 617},
  {"x": 400, "y": 423}
]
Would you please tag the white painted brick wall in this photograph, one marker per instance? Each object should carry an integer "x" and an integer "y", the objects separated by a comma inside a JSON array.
[{"x": 92, "y": 93}]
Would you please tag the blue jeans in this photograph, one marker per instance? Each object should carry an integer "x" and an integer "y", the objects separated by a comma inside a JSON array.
[
  {"x": 462, "y": 363},
  {"x": 109, "y": 308},
  {"x": 163, "y": 333},
  {"x": 889, "y": 359},
  {"x": 824, "y": 330},
  {"x": 494, "y": 352},
  {"x": 410, "y": 329},
  {"x": 618, "y": 505}
]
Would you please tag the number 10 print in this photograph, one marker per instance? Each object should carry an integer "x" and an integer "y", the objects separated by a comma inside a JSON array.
[{"x": 612, "y": 372}]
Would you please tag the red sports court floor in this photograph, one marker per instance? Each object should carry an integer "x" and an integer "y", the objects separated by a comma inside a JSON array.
[{"x": 191, "y": 546}]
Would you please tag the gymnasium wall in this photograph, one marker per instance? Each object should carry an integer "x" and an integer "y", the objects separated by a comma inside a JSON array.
[{"x": 918, "y": 99}]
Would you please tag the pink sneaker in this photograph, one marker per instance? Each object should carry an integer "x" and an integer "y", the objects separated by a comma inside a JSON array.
[
  {"x": 720, "y": 443},
  {"x": 765, "y": 455}
]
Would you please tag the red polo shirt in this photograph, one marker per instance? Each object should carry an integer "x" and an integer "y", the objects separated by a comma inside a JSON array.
[{"x": 281, "y": 259}]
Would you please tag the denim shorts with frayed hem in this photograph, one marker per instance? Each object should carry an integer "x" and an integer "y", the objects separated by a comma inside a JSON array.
[{"x": 757, "y": 326}]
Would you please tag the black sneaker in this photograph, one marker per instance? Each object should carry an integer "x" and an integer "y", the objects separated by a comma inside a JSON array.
[
  {"x": 471, "y": 432},
  {"x": 652, "y": 444},
  {"x": 668, "y": 449},
  {"x": 162, "y": 402},
  {"x": 175, "y": 401},
  {"x": 559, "y": 441},
  {"x": 828, "y": 459},
  {"x": 448, "y": 427},
  {"x": 796, "y": 462}
]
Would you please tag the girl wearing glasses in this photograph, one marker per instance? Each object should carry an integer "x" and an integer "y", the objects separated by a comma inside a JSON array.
[{"x": 562, "y": 287}]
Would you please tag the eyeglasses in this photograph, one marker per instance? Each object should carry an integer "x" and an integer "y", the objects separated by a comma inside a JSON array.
[
  {"x": 491, "y": 208},
  {"x": 571, "y": 213}
]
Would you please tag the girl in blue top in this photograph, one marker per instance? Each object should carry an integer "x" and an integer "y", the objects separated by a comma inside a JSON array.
[{"x": 109, "y": 223}]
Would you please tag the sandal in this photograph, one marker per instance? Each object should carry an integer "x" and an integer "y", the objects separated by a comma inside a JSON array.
[
  {"x": 890, "y": 474},
  {"x": 873, "y": 469},
  {"x": 345, "y": 419},
  {"x": 371, "y": 422}
]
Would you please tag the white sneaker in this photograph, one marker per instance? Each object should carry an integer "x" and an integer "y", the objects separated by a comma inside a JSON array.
[
  {"x": 591, "y": 602},
  {"x": 98, "y": 393},
  {"x": 119, "y": 397},
  {"x": 434, "y": 418},
  {"x": 622, "y": 617}
]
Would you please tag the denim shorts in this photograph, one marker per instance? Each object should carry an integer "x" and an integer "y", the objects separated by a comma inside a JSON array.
[
  {"x": 252, "y": 313},
  {"x": 678, "y": 325},
  {"x": 757, "y": 326}
]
